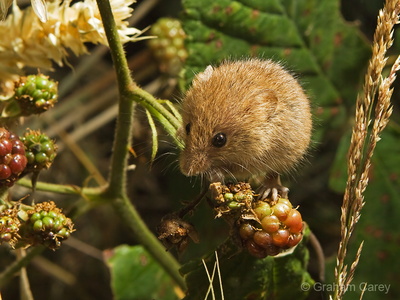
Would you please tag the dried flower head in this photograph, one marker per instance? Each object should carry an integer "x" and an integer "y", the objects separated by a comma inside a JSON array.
[{"x": 26, "y": 41}]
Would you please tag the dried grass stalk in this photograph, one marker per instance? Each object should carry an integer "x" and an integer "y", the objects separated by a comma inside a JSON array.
[{"x": 376, "y": 94}]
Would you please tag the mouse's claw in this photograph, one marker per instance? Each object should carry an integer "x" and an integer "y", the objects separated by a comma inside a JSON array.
[{"x": 273, "y": 189}]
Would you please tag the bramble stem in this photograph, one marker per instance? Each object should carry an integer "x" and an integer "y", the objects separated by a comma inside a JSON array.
[{"x": 129, "y": 95}]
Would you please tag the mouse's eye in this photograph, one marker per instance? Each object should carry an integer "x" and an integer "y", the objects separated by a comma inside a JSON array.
[
  {"x": 187, "y": 128},
  {"x": 219, "y": 140}
]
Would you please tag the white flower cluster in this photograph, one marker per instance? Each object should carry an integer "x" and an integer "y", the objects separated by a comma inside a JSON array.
[{"x": 26, "y": 41}]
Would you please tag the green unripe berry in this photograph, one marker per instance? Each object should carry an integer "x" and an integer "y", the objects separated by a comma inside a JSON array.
[
  {"x": 37, "y": 94},
  {"x": 61, "y": 218},
  {"x": 64, "y": 232},
  {"x": 234, "y": 205},
  {"x": 263, "y": 210},
  {"x": 52, "y": 214},
  {"x": 38, "y": 225},
  {"x": 57, "y": 224},
  {"x": 41, "y": 158},
  {"x": 48, "y": 222},
  {"x": 35, "y": 217},
  {"x": 41, "y": 82},
  {"x": 31, "y": 157},
  {"x": 228, "y": 196}
]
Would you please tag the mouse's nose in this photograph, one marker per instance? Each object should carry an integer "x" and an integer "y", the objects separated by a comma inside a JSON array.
[{"x": 192, "y": 164}]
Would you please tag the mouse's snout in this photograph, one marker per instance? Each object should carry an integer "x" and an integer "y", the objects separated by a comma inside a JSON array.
[{"x": 192, "y": 164}]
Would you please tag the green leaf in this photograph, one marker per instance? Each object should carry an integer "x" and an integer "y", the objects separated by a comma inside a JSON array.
[
  {"x": 136, "y": 276},
  {"x": 154, "y": 136},
  {"x": 245, "y": 277},
  {"x": 308, "y": 36}
]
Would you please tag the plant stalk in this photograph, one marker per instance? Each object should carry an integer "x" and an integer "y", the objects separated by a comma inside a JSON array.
[{"x": 116, "y": 191}]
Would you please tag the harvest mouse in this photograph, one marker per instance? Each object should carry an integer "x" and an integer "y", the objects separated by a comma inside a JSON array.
[{"x": 245, "y": 118}]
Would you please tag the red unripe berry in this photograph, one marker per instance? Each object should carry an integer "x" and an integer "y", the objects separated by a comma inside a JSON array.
[
  {"x": 281, "y": 237},
  {"x": 294, "y": 222},
  {"x": 294, "y": 239},
  {"x": 281, "y": 210}
]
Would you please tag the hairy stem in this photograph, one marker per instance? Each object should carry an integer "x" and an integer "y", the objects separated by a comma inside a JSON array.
[
  {"x": 131, "y": 217},
  {"x": 116, "y": 191},
  {"x": 123, "y": 132}
]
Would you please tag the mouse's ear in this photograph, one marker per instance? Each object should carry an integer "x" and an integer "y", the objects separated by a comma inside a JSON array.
[
  {"x": 204, "y": 76},
  {"x": 269, "y": 101}
]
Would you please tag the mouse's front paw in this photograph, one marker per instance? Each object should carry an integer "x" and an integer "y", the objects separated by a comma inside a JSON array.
[
  {"x": 274, "y": 193},
  {"x": 273, "y": 189}
]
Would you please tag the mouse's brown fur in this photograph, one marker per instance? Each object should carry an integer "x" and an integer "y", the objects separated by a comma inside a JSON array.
[{"x": 263, "y": 112}]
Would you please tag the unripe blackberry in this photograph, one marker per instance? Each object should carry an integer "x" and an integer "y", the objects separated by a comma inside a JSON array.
[
  {"x": 40, "y": 150},
  {"x": 265, "y": 227},
  {"x": 9, "y": 227},
  {"x": 45, "y": 225},
  {"x": 12, "y": 158},
  {"x": 35, "y": 94},
  {"x": 169, "y": 46}
]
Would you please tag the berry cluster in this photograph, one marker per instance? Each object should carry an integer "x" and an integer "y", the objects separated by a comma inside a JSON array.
[
  {"x": 46, "y": 225},
  {"x": 279, "y": 227},
  {"x": 265, "y": 227},
  {"x": 40, "y": 150},
  {"x": 35, "y": 94},
  {"x": 169, "y": 46},
  {"x": 12, "y": 157}
]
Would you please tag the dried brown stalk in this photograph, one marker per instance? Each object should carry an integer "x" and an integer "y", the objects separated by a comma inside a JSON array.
[{"x": 375, "y": 101}]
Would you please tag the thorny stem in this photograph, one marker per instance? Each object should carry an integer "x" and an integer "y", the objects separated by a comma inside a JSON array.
[{"x": 129, "y": 91}]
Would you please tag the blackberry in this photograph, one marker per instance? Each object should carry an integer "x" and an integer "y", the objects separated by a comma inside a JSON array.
[
  {"x": 35, "y": 94},
  {"x": 168, "y": 47},
  {"x": 12, "y": 158},
  {"x": 46, "y": 225},
  {"x": 40, "y": 150},
  {"x": 265, "y": 227}
]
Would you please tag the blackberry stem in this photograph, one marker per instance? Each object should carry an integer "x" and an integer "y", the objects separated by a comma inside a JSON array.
[{"x": 116, "y": 191}]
